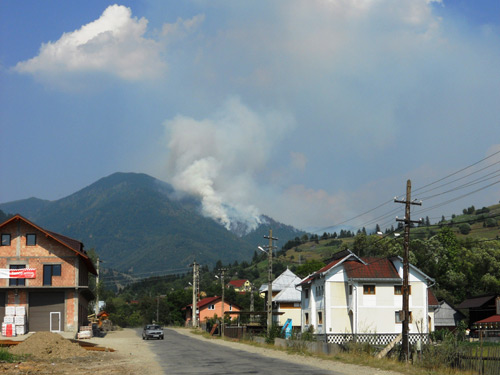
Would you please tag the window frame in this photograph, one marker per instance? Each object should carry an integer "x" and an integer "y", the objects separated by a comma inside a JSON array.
[
  {"x": 211, "y": 306},
  {"x": 398, "y": 290},
  {"x": 17, "y": 282},
  {"x": 33, "y": 236},
  {"x": 55, "y": 271},
  {"x": 369, "y": 289},
  {"x": 397, "y": 317},
  {"x": 6, "y": 235}
]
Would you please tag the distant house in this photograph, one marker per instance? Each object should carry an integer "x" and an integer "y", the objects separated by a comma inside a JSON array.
[
  {"x": 56, "y": 295},
  {"x": 242, "y": 285},
  {"x": 353, "y": 295},
  {"x": 210, "y": 307},
  {"x": 481, "y": 307},
  {"x": 446, "y": 316}
]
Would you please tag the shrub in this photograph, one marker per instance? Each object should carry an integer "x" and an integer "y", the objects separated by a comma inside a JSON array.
[{"x": 464, "y": 228}]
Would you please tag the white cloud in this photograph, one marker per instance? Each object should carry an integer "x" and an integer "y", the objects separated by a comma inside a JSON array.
[{"x": 114, "y": 44}]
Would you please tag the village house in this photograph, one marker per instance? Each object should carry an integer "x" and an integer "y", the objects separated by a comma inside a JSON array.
[
  {"x": 240, "y": 286},
  {"x": 286, "y": 298},
  {"x": 45, "y": 275},
  {"x": 211, "y": 307},
  {"x": 354, "y": 296},
  {"x": 446, "y": 316}
]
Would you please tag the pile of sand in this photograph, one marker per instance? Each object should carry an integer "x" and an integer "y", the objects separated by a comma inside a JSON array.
[{"x": 49, "y": 345}]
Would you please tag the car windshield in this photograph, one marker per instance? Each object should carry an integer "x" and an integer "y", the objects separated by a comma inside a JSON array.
[{"x": 153, "y": 327}]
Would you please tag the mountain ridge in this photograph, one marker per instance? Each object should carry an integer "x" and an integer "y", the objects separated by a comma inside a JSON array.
[{"x": 139, "y": 224}]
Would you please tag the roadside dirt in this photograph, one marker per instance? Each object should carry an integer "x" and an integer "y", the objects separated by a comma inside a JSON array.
[{"x": 50, "y": 353}]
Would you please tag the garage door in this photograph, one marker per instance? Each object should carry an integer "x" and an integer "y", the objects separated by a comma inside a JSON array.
[
  {"x": 46, "y": 311},
  {"x": 2, "y": 306}
]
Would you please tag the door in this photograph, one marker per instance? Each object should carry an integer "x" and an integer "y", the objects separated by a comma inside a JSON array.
[
  {"x": 55, "y": 321},
  {"x": 41, "y": 307}
]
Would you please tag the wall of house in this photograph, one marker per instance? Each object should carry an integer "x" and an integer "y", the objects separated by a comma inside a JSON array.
[
  {"x": 46, "y": 251},
  {"x": 338, "y": 319},
  {"x": 292, "y": 311},
  {"x": 206, "y": 313}
]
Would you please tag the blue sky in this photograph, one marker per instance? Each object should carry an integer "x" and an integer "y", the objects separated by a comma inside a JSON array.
[{"x": 311, "y": 112}]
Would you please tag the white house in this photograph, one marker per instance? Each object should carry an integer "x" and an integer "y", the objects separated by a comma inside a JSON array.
[
  {"x": 351, "y": 295},
  {"x": 286, "y": 298}
]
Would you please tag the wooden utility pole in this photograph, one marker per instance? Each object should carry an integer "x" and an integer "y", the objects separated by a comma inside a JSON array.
[
  {"x": 406, "y": 269},
  {"x": 270, "y": 281}
]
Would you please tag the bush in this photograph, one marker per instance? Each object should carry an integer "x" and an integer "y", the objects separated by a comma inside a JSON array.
[
  {"x": 491, "y": 223},
  {"x": 464, "y": 228}
]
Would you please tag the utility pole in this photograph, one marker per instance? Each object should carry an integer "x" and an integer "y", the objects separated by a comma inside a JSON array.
[
  {"x": 406, "y": 268},
  {"x": 270, "y": 281},
  {"x": 252, "y": 305},
  {"x": 196, "y": 277},
  {"x": 222, "y": 270},
  {"x": 96, "y": 309}
]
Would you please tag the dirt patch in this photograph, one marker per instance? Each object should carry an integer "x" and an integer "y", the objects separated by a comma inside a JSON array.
[
  {"x": 50, "y": 353},
  {"x": 48, "y": 345}
]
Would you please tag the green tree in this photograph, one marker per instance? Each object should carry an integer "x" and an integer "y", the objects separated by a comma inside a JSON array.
[
  {"x": 309, "y": 267},
  {"x": 464, "y": 228}
]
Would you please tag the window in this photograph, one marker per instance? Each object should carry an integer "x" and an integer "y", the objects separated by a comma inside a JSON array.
[
  {"x": 211, "y": 307},
  {"x": 5, "y": 239},
  {"x": 368, "y": 289},
  {"x": 399, "y": 315},
  {"x": 306, "y": 292},
  {"x": 320, "y": 317},
  {"x": 31, "y": 239},
  {"x": 398, "y": 290},
  {"x": 17, "y": 282},
  {"x": 50, "y": 270},
  {"x": 350, "y": 290},
  {"x": 320, "y": 290},
  {"x": 306, "y": 317}
]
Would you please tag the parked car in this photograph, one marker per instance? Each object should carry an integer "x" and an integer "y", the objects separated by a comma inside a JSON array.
[{"x": 152, "y": 331}]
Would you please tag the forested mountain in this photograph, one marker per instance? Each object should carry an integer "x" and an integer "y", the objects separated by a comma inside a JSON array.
[{"x": 137, "y": 224}]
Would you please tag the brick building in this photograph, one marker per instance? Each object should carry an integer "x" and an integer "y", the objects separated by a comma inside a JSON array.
[{"x": 57, "y": 298}]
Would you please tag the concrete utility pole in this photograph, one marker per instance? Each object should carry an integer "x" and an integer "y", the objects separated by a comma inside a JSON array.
[
  {"x": 406, "y": 269},
  {"x": 196, "y": 277},
  {"x": 222, "y": 270},
  {"x": 96, "y": 309},
  {"x": 270, "y": 281}
]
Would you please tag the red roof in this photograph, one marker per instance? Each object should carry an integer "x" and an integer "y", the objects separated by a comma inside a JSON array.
[
  {"x": 431, "y": 298},
  {"x": 357, "y": 268},
  {"x": 376, "y": 268},
  {"x": 207, "y": 301},
  {"x": 491, "y": 319},
  {"x": 238, "y": 283}
]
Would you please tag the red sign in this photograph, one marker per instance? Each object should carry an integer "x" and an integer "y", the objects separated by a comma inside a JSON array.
[{"x": 23, "y": 273}]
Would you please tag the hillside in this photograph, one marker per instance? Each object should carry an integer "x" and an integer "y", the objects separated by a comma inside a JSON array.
[{"x": 137, "y": 224}]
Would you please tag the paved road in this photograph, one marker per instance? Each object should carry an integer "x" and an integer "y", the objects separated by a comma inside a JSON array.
[{"x": 180, "y": 354}]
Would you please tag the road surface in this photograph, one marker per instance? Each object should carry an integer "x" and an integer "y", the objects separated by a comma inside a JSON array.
[{"x": 182, "y": 354}]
